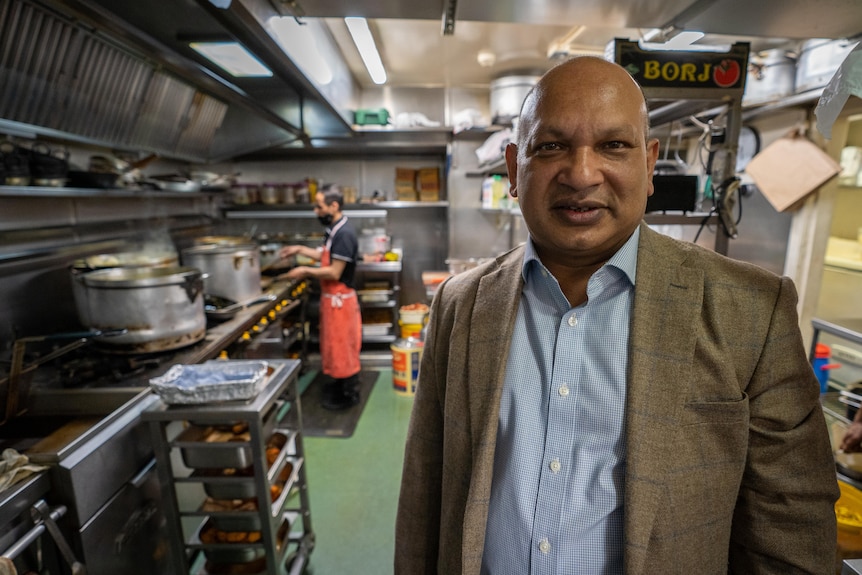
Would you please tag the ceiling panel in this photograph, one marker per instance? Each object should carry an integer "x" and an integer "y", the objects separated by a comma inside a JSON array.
[
  {"x": 606, "y": 13},
  {"x": 785, "y": 18}
]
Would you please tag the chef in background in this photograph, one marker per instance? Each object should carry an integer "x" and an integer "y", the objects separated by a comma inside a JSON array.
[{"x": 340, "y": 318}]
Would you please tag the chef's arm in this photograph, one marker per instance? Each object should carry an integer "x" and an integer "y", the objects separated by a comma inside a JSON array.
[
  {"x": 292, "y": 250},
  {"x": 852, "y": 441},
  {"x": 331, "y": 272}
]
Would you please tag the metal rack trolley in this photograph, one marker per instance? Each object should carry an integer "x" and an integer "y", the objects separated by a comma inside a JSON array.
[{"x": 276, "y": 409}]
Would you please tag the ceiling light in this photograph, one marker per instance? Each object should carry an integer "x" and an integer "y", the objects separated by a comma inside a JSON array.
[
  {"x": 676, "y": 39},
  {"x": 364, "y": 41},
  {"x": 486, "y": 58},
  {"x": 232, "y": 57},
  {"x": 300, "y": 43}
]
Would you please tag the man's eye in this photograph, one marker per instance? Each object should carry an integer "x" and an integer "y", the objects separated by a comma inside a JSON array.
[{"x": 547, "y": 147}]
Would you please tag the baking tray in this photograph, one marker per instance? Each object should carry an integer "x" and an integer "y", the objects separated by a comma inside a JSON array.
[
  {"x": 211, "y": 382},
  {"x": 376, "y": 329},
  {"x": 239, "y": 551},
  {"x": 375, "y": 295},
  {"x": 209, "y": 447},
  {"x": 227, "y": 457},
  {"x": 231, "y": 518}
]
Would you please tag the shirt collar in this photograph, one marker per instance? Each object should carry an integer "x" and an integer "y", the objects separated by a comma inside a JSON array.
[{"x": 625, "y": 259}]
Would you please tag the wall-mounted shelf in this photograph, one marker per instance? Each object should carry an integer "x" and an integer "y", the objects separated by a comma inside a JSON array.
[{"x": 498, "y": 167}]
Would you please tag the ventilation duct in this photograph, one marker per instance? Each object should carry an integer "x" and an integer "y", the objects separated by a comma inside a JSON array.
[{"x": 60, "y": 76}]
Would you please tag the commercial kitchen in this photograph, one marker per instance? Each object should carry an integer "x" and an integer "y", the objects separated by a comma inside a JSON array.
[{"x": 146, "y": 188}]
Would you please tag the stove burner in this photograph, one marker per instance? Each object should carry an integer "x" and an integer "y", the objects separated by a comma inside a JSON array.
[{"x": 98, "y": 370}]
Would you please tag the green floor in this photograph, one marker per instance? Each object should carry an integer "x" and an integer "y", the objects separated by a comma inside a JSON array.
[{"x": 353, "y": 485}]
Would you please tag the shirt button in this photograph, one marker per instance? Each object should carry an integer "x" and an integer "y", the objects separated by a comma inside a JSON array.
[
  {"x": 573, "y": 320},
  {"x": 555, "y": 466},
  {"x": 544, "y": 546},
  {"x": 563, "y": 391}
]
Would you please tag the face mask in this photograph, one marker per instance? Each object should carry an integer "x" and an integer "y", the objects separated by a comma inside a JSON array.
[{"x": 325, "y": 219}]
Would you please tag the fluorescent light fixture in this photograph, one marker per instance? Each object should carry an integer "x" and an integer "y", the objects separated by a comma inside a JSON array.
[
  {"x": 300, "y": 43},
  {"x": 361, "y": 34},
  {"x": 685, "y": 40},
  {"x": 232, "y": 57}
]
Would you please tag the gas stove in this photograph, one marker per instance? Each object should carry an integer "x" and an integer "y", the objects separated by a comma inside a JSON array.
[{"x": 55, "y": 367}]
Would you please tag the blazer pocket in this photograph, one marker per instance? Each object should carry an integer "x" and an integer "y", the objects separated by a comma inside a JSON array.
[{"x": 711, "y": 412}]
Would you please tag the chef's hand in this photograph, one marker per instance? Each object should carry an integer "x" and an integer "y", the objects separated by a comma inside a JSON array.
[
  {"x": 288, "y": 251},
  {"x": 296, "y": 273},
  {"x": 852, "y": 441}
]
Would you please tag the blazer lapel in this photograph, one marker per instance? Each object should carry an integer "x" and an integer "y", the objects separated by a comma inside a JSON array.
[
  {"x": 491, "y": 324},
  {"x": 668, "y": 297}
]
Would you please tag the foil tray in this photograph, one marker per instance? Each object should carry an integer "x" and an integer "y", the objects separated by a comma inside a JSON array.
[{"x": 211, "y": 382}]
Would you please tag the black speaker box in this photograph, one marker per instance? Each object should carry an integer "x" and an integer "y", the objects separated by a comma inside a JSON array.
[{"x": 673, "y": 193}]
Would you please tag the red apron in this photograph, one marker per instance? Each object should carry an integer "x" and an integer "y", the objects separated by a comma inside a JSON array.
[{"x": 340, "y": 326}]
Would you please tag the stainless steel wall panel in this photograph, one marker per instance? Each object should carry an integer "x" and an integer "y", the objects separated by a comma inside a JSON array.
[
  {"x": 204, "y": 118},
  {"x": 162, "y": 115}
]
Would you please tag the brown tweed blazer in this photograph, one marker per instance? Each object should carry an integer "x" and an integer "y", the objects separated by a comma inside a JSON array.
[{"x": 729, "y": 468}]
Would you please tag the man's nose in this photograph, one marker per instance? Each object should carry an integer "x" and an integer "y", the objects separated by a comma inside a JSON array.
[{"x": 582, "y": 168}]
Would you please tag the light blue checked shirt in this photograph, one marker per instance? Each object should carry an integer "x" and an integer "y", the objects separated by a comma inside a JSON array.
[{"x": 556, "y": 503}]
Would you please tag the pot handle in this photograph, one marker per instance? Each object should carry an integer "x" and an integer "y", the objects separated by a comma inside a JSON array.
[
  {"x": 237, "y": 261},
  {"x": 194, "y": 286}
]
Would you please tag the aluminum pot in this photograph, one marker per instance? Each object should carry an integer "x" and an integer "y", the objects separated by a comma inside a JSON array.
[
  {"x": 819, "y": 59},
  {"x": 161, "y": 308},
  {"x": 140, "y": 259},
  {"x": 222, "y": 240},
  {"x": 507, "y": 95},
  {"x": 269, "y": 254},
  {"x": 233, "y": 271},
  {"x": 771, "y": 77}
]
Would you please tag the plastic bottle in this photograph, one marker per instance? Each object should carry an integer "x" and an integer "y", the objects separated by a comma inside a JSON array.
[
  {"x": 822, "y": 354},
  {"x": 406, "y": 356},
  {"x": 488, "y": 192},
  {"x": 407, "y": 352},
  {"x": 501, "y": 197}
]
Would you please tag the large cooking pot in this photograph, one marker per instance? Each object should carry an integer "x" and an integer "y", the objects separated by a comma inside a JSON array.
[
  {"x": 233, "y": 271},
  {"x": 771, "y": 77},
  {"x": 507, "y": 95},
  {"x": 161, "y": 308},
  {"x": 819, "y": 59},
  {"x": 222, "y": 240},
  {"x": 139, "y": 259}
]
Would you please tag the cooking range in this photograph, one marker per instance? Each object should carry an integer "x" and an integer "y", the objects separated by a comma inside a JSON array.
[{"x": 78, "y": 412}]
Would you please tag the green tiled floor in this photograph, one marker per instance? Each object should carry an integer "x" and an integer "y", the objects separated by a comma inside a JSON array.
[{"x": 353, "y": 485}]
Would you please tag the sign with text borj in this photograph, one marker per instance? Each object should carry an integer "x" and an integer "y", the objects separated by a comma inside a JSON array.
[{"x": 689, "y": 69}]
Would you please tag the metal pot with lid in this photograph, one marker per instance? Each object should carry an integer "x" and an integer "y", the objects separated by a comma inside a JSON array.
[
  {"x": 233, "y": 271},
  {"x": 161, "y": 308}
]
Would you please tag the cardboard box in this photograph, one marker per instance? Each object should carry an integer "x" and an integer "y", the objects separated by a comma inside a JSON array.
[
  {"x": 789, "y": 169},
  {"x": 405, "y": 184},
  {"x": 428, "y": 184}
]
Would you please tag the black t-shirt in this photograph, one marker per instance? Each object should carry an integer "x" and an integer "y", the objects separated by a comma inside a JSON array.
[{"x": 344, "y": 247}]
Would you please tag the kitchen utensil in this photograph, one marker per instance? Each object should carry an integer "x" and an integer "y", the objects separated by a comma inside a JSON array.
[
  {"x": 176, "y": 183},
  {"x": 160, "y": 307},
  {"x": 211, "y": 382},
  {"x": 226, "y": 312},
  {"x": 95, "y": 180},
  {"x": 233, "y": 270}
]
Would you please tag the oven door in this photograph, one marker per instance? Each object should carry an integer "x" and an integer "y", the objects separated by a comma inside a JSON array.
[{"x": 127, "y": 535}]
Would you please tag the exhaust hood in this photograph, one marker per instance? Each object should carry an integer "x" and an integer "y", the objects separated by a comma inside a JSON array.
[{"x": 121, "y": 74}]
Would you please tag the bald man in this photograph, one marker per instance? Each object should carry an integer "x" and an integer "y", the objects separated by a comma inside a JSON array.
[{"x": 605, "y": 399}]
